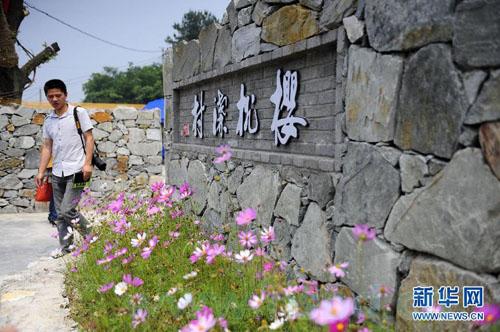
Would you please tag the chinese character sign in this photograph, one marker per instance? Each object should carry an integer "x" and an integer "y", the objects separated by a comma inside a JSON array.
[
  {"x": 284, "y": 100},
  {"x": 246, "y": 110},
  {"x": 197, "y": 112},
  {"x": 219, "y": 115}
]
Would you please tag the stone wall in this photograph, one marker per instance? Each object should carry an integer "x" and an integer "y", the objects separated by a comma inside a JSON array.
[
  {"x": 412, "y": 123},
  {"x": 127, "y": 139}
]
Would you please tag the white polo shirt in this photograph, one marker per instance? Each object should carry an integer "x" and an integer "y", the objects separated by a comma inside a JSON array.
[{"x": 67, "y": 151}]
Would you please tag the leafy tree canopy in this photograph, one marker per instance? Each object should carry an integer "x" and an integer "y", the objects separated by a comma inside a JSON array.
[
  {"x": 192, "y": 23},
  {"x": 135, "y": 85}
]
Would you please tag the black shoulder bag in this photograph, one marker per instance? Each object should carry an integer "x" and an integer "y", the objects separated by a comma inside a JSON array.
[{"x": 96, "y": 160}]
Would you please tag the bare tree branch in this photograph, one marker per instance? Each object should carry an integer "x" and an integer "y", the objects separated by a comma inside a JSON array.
[{"x": 40, "y": 58}]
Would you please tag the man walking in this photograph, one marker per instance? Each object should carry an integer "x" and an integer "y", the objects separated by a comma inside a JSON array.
[{"x": 72, "y": 164}]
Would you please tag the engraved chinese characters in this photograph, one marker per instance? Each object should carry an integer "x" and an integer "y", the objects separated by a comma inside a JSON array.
[
  {"x": 245, "y": 115},
  {"x": 218, "y": 124},
  {"x": 197, "y": 112},
  {"x": 284, "y": 99}
]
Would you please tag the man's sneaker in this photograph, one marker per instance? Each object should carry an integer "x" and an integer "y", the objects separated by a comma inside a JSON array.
[{"x": 58, "y": 253}]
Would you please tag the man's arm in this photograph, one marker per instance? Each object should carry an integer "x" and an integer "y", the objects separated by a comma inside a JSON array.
[
  {"x": 89, "y": 151},
  {"x": 44, "y": 160}
]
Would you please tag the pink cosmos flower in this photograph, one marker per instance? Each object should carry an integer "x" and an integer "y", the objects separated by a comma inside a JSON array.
[
  {"x": 214, "y": 251},
  {"x": 361, "y": 317},
  {"x": 106, "y": 287},
  {"x": 333, "y": 311},
  {"x": 282, "y": 265},
  {"x": 246, "y": 216},
  {"x": 268, "y": 266},
  {"x": 224, "y": 152},
  {"x": 128, "y": 260},
  {"x": 217, "y": 237},
  {"x": 260, "y": 252},
  {"x": 146, "y": 252},
  {"x": 121, "y": 226},
  {"x": 152, "y": 210},
  {"x": 185, "y": 191},
  {"x": 247, "y": 239},
  {"x": 174, "y": 235},
  {"x": 157, "y": 186},
  {"x": 221, "y": 149},
  {"x": 136, "y": 299},
  {"x": 121, "y": 252},
  {"x": 117, "y": 204},
  {"x": 199, "y": 252},
  {"x": 339, "y": 326},
  {"x": 338, "y": 269},
  {"x": 166, "y": 193},
  {"x": 204, "y": 321},
  {"x": 132, "y": 281},
  {"x": 197, "y": 222},
  {"x": 255, "y": 301},
  {"x": 364, "y": 232},
  {"x": 222, "y": 322},
  {"x": 139, "y": 317},
  {"x": 176, "y": 213},
  {"x": 223, "y": 158},
  {"x": 491, "y": 314},
  {"x": 267, "y": 235},
  {"x": 108, "y": 247},
  {"x": 106, "y": 259},
  {"x": 293, "y": 289}
]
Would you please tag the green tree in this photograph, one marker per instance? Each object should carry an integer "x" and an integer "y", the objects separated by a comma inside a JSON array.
[
  {"x": 192, "y": 23},
  {"x": 135, "y": 85}
]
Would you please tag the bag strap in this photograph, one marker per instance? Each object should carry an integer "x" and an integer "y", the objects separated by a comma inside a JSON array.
[{"x": 78, "y": 128}]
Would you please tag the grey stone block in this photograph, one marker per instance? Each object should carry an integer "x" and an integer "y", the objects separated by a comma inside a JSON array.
[
  {"x": 393, "y": 25},
  {"x": 426, "y": 221}
]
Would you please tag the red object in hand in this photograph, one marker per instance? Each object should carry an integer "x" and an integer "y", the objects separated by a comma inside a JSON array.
[
  {"x": 44, "y": 191},
  {"x": 6, "y": 5}
]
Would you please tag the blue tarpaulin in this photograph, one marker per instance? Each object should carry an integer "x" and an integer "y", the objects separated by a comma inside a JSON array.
[{"x": 157, "y": 103}]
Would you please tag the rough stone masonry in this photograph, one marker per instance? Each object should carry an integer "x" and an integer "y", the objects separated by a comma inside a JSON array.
[{"x": 403, "y": 110}]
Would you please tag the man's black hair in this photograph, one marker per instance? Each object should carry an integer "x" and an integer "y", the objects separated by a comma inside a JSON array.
[{"x": 55, "y": 84}]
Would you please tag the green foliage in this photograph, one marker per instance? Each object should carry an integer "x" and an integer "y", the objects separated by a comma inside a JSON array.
[
  {"x": 192, "y": 23},
  {"x": 135, "y": 85}
]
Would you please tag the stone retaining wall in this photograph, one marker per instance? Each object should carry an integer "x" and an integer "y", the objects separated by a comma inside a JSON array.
[
  {"x": 412, "y": 123},
  {"x": 127, "y": 139}
]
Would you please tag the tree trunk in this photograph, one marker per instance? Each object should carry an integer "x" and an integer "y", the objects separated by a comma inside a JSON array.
[{"x": 13, "y": 79}]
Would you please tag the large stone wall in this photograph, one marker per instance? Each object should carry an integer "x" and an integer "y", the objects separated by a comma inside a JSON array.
[
  {"x": 413, "y": 123},
  {"x": 127, "y": 139}
]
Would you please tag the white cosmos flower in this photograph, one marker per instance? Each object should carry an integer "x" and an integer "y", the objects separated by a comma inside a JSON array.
[
  {"x": 190, "y": 275},
  {"x": 185, "y": 301},
  {"x": 277, "y": 324},
  {"x": 244, "y": 256},
  {"x": 120, "y": 288},
  {"x": 75, "y": 221},
  {"x": 139, "y": 240},
  {"x": 172, "y": 291}
]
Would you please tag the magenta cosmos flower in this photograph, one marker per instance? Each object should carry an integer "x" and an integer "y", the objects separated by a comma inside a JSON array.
[
  {"x": 333, "y": 311},
  {"x": 132, "y": 281},
  {"x": 246, "y": 216},
  {"x": 364, "y": 232},
  {"x": 491, "y": 314},
  {"x": 106, "y": 287}
]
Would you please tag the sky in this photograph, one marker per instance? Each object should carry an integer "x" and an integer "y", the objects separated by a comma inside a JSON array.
[{"x": 136, "y": 24}]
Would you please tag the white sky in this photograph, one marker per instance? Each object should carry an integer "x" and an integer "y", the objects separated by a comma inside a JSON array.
[{"x": 137, "y": 24}]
